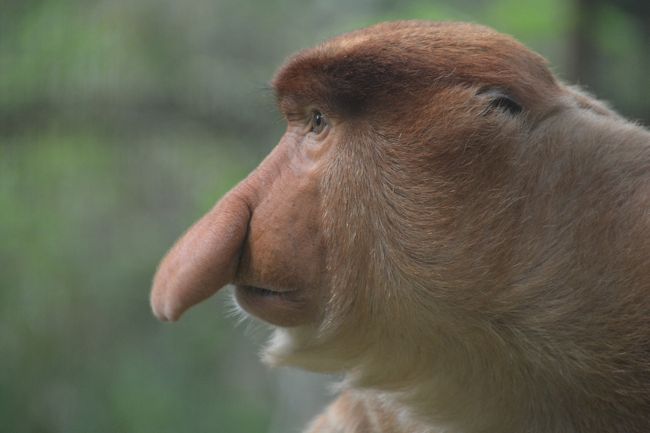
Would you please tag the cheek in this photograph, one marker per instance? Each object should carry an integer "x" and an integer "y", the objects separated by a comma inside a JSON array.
[{"x": 355, "y": 228}]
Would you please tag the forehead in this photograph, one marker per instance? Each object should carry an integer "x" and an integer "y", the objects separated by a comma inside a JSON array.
[{"x": 410, "y": 56}]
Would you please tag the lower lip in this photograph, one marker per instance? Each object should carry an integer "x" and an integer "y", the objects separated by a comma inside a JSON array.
[{"x": 285, "y": 308}]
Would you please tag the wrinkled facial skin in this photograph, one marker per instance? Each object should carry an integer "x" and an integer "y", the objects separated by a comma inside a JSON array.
[{"x": 264, "y": 236}]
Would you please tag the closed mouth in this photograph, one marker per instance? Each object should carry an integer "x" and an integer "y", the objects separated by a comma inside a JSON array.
[
  {"x": 264, "y": 292},
  {"x": 259, "y": 291},
  {"x": 285, "y": 307}
]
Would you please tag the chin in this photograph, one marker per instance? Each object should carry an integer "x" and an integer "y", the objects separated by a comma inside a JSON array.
[
  {"x": 306, "y": 347},
  {"x": 297, "y": 339}
]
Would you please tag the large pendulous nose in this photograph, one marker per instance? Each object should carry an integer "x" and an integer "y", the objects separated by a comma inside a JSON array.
[{"x": 203, "y": 260}]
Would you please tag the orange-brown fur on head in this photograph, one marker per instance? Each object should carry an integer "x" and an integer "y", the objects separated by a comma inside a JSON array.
[{"x": 468, "y": 239}]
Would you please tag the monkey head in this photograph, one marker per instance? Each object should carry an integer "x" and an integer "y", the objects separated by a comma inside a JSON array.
[{"x": 434, "y": 214}]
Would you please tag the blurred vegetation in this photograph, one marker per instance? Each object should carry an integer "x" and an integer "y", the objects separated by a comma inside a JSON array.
[{"x": 121, "y": 122}]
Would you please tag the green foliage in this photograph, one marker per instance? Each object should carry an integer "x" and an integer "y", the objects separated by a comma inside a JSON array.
[
  {"x": 530, "y": 19},
  {"x": 84, "y": 221}
]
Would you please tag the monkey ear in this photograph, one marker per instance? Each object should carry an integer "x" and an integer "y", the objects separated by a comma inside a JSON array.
[{"x": 498, "y": 99}]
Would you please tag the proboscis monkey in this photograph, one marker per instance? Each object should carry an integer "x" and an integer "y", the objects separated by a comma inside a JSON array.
[{"x": 463, "y": 236}]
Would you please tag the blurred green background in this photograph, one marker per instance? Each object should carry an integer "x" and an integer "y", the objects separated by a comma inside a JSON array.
[{"x": 121, "y": 122}]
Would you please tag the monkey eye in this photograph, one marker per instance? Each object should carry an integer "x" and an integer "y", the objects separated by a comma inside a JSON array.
[{"x": 317, "y": 122}]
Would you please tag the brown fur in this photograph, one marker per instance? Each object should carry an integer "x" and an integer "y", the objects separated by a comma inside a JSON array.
[{"x": 469, "y": 240}]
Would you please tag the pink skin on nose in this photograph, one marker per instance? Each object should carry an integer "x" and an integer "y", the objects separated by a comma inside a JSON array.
[
  {"x": 203, "y": 261},
  {"x": 264, "y": 236}
]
